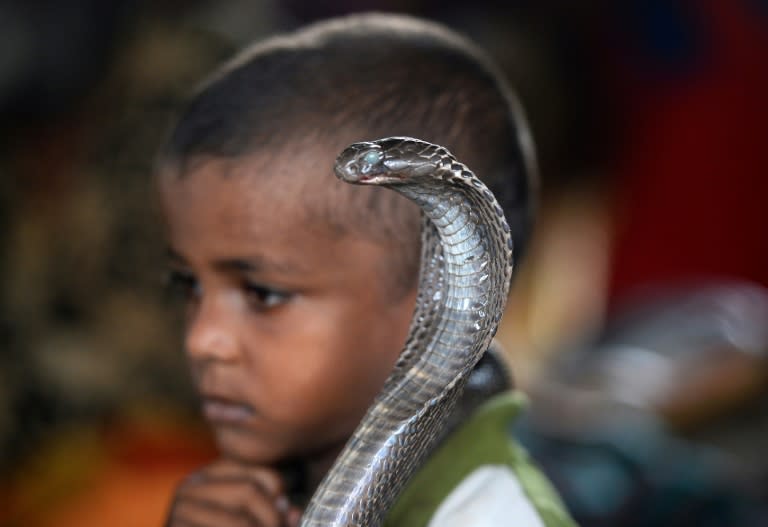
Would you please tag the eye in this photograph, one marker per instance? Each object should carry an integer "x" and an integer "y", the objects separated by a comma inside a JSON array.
[
  {"x": 182, "y": 285},
  {"x": 263, "y": 297},
  {"x": 372, "y": 157}
]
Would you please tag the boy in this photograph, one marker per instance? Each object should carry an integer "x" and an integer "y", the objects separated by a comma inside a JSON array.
[{"x": 300, "y": 288}]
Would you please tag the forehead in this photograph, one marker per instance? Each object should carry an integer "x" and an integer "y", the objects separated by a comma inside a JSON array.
[
  {"x": 271, "y": 201},
  {"x": 244, "y": 196}
]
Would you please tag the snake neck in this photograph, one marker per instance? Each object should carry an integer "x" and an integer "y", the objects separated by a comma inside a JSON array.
[{"x": 466, "y": 270}]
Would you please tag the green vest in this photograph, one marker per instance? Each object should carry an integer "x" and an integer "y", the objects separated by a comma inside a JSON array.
[{"x": 484, "y": 439}]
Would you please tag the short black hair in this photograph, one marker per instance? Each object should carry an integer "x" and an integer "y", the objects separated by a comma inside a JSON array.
[{"x": 364, "y": 77}]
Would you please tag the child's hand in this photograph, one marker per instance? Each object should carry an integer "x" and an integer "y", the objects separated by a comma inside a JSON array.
[{"x": 225, "y": 494}]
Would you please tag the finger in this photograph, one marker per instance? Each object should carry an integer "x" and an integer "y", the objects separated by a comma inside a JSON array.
[
  {"x": 293, "y": 517},
  {"x": 236, "y": 497},
  {"x": 189, "y": 513}
]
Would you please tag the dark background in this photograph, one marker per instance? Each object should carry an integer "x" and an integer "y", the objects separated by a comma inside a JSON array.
[{"x": 650, "y": 120}]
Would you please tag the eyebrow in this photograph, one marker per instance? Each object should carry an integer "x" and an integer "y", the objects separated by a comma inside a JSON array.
[{"x": 253, "y": 264}]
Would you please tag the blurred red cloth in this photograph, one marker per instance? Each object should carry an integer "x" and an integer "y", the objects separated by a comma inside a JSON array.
[{"x": 693, "y": 174}]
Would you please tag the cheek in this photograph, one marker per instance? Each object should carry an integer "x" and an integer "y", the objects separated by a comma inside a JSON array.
[
  {"x": 295, "y": 365},
  {"x": 325, "y": 370},
  {"x": 320, "y": 365}
]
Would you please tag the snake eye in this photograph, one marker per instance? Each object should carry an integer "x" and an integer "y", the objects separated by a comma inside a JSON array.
[{"x": 372, "y": 157}]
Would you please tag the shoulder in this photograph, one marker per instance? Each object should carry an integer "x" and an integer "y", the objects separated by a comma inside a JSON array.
[
  {"x": 490, "y": 496},
  {"x": 480, "y": 470}
]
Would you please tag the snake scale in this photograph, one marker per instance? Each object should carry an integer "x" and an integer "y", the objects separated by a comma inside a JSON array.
[{"x": 466, "y": 268}]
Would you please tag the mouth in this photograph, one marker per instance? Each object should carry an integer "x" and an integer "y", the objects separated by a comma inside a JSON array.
[
  {"x": 226, "y": 411},
  {"x": 381, "y": 179}
]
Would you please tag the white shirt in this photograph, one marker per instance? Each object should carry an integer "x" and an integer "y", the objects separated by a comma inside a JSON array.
[{"x": 490, "y": 496}]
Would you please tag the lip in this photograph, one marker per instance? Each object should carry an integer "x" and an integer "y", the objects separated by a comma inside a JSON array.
[{"x": 221, "y": 410}]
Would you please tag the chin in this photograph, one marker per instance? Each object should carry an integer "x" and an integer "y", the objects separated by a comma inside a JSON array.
[{"x": 243, "y": 446}]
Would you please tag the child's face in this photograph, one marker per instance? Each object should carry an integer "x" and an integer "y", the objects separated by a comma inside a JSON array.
[{"x": 290, "y": 329}]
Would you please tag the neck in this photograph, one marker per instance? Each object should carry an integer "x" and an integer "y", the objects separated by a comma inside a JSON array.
[
  {"x": 303, "y": 475},
  {"x": 409, "y": 415},
  {"x": 318, "y": 466}
]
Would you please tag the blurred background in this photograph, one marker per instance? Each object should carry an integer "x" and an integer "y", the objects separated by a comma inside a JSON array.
[{"x": 638, "y": 322}]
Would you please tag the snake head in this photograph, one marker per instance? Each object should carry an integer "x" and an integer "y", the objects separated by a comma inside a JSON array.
[
  {"x": 391, "y": 161},
  {"x": 363, "y": 163}
]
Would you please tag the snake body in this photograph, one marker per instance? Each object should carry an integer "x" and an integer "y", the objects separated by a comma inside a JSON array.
[{"x": 463, "y": 284}]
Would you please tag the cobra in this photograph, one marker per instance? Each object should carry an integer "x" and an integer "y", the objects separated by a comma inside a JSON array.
[{"x": 466, "y": 268}]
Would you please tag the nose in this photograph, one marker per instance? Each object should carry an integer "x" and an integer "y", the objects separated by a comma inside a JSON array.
[{"x": 210, "y": 332}]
